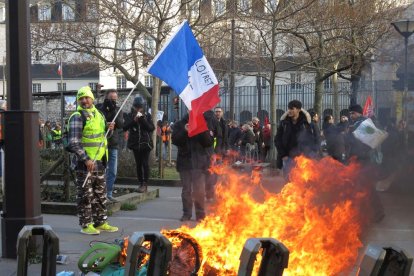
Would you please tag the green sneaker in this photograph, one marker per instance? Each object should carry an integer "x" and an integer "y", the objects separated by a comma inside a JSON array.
[
  {"x": 106, "y": 227},
  {"x": 90, "y": 230}
]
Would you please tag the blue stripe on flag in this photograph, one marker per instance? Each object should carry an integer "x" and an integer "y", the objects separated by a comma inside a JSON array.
[{"x": 176, "y": 59}]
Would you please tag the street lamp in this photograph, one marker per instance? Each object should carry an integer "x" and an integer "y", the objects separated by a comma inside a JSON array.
[{"x": 406, "y": 29}]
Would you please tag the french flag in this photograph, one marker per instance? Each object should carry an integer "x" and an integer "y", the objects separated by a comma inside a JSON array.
[
  {"x": 182, "y": 65},
  {"x": 59, "y": 70}
]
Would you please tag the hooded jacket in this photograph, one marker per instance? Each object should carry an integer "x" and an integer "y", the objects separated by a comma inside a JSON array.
[
  {"x": 295, "y": 139},
  {"x": 139, "y": 132}
]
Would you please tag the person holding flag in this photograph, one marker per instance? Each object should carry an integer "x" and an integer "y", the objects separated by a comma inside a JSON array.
[{"x": 182, "y": 65}]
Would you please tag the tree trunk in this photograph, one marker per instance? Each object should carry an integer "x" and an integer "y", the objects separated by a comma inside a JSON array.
[
  {"x": 317, "y": 105},
  {"x": 335, "y": 97}
]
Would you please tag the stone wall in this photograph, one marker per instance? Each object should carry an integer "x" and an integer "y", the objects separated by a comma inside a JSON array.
[{"x": 49, "y": 107}]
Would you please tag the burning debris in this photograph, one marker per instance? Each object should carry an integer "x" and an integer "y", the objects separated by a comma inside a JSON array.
[
  {"x": 317, "y": 219},
  {"x": 318, "y": 215}
]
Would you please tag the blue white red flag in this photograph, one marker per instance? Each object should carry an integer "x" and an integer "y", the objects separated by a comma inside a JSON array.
[
  {"x": 182, "y": 65},
  {"x": 59, "y": 70}
]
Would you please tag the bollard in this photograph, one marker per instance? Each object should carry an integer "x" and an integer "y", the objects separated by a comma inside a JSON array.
[
  {"x": 380, "y": 260},
  {"x": 275, "y": 257},
  {"x": 50, "y": 248},
  {"x": 160, "y": 254}
]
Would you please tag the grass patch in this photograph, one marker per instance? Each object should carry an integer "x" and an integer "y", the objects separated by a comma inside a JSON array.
[{"x": 128, "y": 206}]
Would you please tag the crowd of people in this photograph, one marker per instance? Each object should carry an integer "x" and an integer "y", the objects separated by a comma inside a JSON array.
[{"x": 95, "y": 134}]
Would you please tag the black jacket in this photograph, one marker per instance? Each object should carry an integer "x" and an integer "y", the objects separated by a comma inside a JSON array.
[
  {"x": 194, "y": 152},
  {"x": 113, "y": 140},
  {"x": 140, "y": 133},
  {"x": 221, "y": 134},
  {"x": 295, "y": 139}
]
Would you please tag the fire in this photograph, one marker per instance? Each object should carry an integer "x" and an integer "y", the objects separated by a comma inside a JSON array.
[
  {"x": 317, "y": 216},
  {"x": 123, "y": 253}
]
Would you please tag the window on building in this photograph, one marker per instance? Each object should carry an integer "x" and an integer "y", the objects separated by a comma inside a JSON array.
[
  {"x": 37, "y": 55},
  {"x": 59, "y": 86},
  {"x": 244, "y": 5},
  {"x": 295, "y": 81},
  {"x": 148, "y": 81},
  {"x": 271, "y": 6},
  {"x": 149, "y": 46},
  {"x": 92, "y": 85},
  {"x": 120, "y": 82},
  {"x": 219, "y": 7},
  {"x": 327, "y": 84},
  {"x": 36, "y": 87},
  {"x": 122, "y": 4},
  {"x": 263, "y": 49},
  {"x": 68, "y": 11},
  {"x": 45, "y": 12},
  {"x": 121, "y": 46},
  {"x": 289, "y": 50},
  {"x": 194, "y": 8},
  {"x": 150, "y": 3},
  {"x": 226, "y": 82},
  {"x": 263, "y": 82},
  {"x": 2, "y": 14},
  {"x": 92, "y": 10}
]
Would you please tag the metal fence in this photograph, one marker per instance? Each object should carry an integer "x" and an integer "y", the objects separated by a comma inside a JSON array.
[{"x": 247, "y": 99}]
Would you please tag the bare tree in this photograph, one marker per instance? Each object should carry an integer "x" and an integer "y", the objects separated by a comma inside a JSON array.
[
  {"x": 337, "y": 36},
  {"x": 123, "y": 36}
]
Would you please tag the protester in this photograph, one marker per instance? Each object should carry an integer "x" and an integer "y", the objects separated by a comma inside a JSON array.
[
  {"x": 257, "y": 130},
  {"x": 165, "y": 138},
  {"x": 267, "y": 141},
  {"x": 47, "y": 134},
  {"x": 235, "y": 135},
  {"x": 362, "y": 153},
  {"x": 88, "y": 143},
  {"x": 335, "y": 143},
  {"x": 221, "y": 135},
  {"x": 295, "y": 136},
  {"x": 140, "y": 127},
  {"x": 343, "y": 124},
  {"x": 56, "y": 136},
  {"x": 109, "y": 109},
  {"x": 193, "y": 162},
  {"x": 315, "y": 125},
  {"x": 247, "y": 142}
]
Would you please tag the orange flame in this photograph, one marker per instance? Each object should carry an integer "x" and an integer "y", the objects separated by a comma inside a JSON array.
[
  {"x": 123, "y": 253},
  {"x": 317, "y": 216}
]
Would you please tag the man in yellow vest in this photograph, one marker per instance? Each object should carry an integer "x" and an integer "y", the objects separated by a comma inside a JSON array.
[{"x": 86, "y": 139}]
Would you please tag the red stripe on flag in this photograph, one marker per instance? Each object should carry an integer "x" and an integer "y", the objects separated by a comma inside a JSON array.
[{"x": 197, "y": 123}]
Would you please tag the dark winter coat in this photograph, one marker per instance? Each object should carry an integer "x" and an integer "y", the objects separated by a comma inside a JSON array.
[
  {"x": 295, "y": 139},
  {"x": 335, "y": 142},
  {"x": 140, "y": 133},
  {"x": 221, "y": 134},
  {"x": 113, "y": 140},
  {"x": 200, "y": 146},
  {"x": 248, "y": 137},
  {"x": 235, "y": 135}
]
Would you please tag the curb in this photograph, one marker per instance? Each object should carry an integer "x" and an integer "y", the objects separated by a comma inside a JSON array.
[{"x": 64, "y": 208}]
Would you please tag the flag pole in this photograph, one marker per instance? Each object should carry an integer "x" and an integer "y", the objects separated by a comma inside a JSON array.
[
  {"x": 107, "y": 132},
  {"x": 62, "y": 99}
]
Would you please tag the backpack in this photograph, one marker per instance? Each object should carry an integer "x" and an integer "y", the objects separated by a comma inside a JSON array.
[{"x": 65, "y": 134}]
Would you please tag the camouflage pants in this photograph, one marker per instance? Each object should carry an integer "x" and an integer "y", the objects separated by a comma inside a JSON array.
[{"x": 91, "y": 198}]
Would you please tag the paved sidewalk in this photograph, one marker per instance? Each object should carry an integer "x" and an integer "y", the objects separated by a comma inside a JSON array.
[{"x": 396, "y": 229}]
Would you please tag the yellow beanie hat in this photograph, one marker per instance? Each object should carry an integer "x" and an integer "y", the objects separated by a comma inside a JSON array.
[{"x": 85, "y": 92}]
